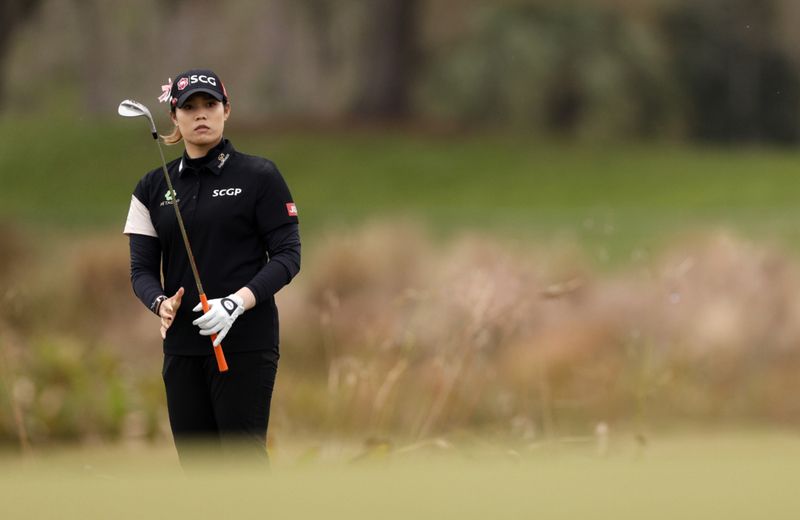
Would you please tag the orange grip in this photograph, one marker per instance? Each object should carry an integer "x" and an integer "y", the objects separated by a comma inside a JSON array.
[{"x": 223, "y": 365}]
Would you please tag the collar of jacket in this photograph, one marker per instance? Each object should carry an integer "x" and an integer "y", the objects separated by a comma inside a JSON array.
[{"x": 216, "y": 158}]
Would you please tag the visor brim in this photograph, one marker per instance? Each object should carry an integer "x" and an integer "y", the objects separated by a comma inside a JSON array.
[{"x": 186, "y": 95}]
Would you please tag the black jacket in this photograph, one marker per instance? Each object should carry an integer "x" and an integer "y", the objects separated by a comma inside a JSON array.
[{"x": 242, "y": 225}]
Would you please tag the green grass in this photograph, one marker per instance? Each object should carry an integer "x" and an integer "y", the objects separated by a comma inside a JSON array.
[
  {"x": 731, "y": 476},
  {"x": 618, "y": 198}
]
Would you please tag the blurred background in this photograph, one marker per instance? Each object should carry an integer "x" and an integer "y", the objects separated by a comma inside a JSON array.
[{"x": 525, "y": 220}]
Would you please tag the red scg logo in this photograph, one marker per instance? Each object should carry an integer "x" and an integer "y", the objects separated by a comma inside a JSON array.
[{"x": 182, "y": 84}]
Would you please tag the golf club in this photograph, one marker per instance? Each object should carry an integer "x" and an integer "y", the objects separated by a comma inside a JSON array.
[{"x": 130, "y": 108}]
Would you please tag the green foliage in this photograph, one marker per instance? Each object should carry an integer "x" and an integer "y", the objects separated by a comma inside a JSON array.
[
  {"x": 587, "y": 73},
  {"x": 739, "y": 85},
  {"x": 67, "y": 390},
  {"x": 64, "y": 372}
]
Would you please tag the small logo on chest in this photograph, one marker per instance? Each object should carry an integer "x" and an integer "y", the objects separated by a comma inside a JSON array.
[
  {"x": 228, "y": 192},
  {"x": 168, "y": 199}
]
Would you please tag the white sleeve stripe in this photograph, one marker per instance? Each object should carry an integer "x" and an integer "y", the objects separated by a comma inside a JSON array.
[{"x": 139, "y": 222}]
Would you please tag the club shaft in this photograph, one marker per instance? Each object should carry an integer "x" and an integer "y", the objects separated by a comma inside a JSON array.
[
  {"x": 180, "y": 219},
  {"x": 221, "y": 363}
]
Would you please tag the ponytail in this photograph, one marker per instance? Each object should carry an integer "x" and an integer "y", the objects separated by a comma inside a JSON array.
[{"x": 174, "y": 138}]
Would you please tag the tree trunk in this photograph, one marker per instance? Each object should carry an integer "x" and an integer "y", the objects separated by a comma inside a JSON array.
[
  {"x": 97, "y": 97},
  {"x": 389, "y": 59},
  {"x": 13, "y": 13}
]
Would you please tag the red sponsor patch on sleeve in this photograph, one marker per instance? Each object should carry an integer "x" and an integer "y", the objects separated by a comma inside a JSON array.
[{"x": 292, "y": 209}]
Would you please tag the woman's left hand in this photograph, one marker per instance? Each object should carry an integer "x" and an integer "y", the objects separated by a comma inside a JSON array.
[{"x": 220, "y": 317}]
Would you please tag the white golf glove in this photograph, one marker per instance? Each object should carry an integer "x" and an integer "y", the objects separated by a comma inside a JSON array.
[{"x": 220, "y": 316}]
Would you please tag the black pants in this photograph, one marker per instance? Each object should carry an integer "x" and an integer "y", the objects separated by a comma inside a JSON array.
[{"x": 220, "y": 415}]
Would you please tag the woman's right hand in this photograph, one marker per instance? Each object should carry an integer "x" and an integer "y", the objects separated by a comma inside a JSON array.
[{"x": 167, "y": 311}]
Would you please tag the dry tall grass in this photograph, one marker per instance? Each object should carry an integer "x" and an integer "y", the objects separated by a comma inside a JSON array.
[
  {"x": 418, "y": 338},
  {"x": 389, "y": 333}
]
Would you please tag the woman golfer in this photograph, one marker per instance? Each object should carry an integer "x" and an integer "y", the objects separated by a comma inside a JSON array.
[{"x": 241, "y": 222}]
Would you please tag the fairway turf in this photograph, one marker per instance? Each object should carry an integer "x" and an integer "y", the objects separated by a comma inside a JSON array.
[
  {"x": 74, "y": 172},
  {"x": 720, "y": 476}
]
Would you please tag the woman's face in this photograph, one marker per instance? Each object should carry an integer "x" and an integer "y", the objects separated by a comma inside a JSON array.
[{"x": 201, "y": 121}]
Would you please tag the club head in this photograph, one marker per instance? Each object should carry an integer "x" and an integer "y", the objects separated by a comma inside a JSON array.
[{"x": 131, "y": 108}]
